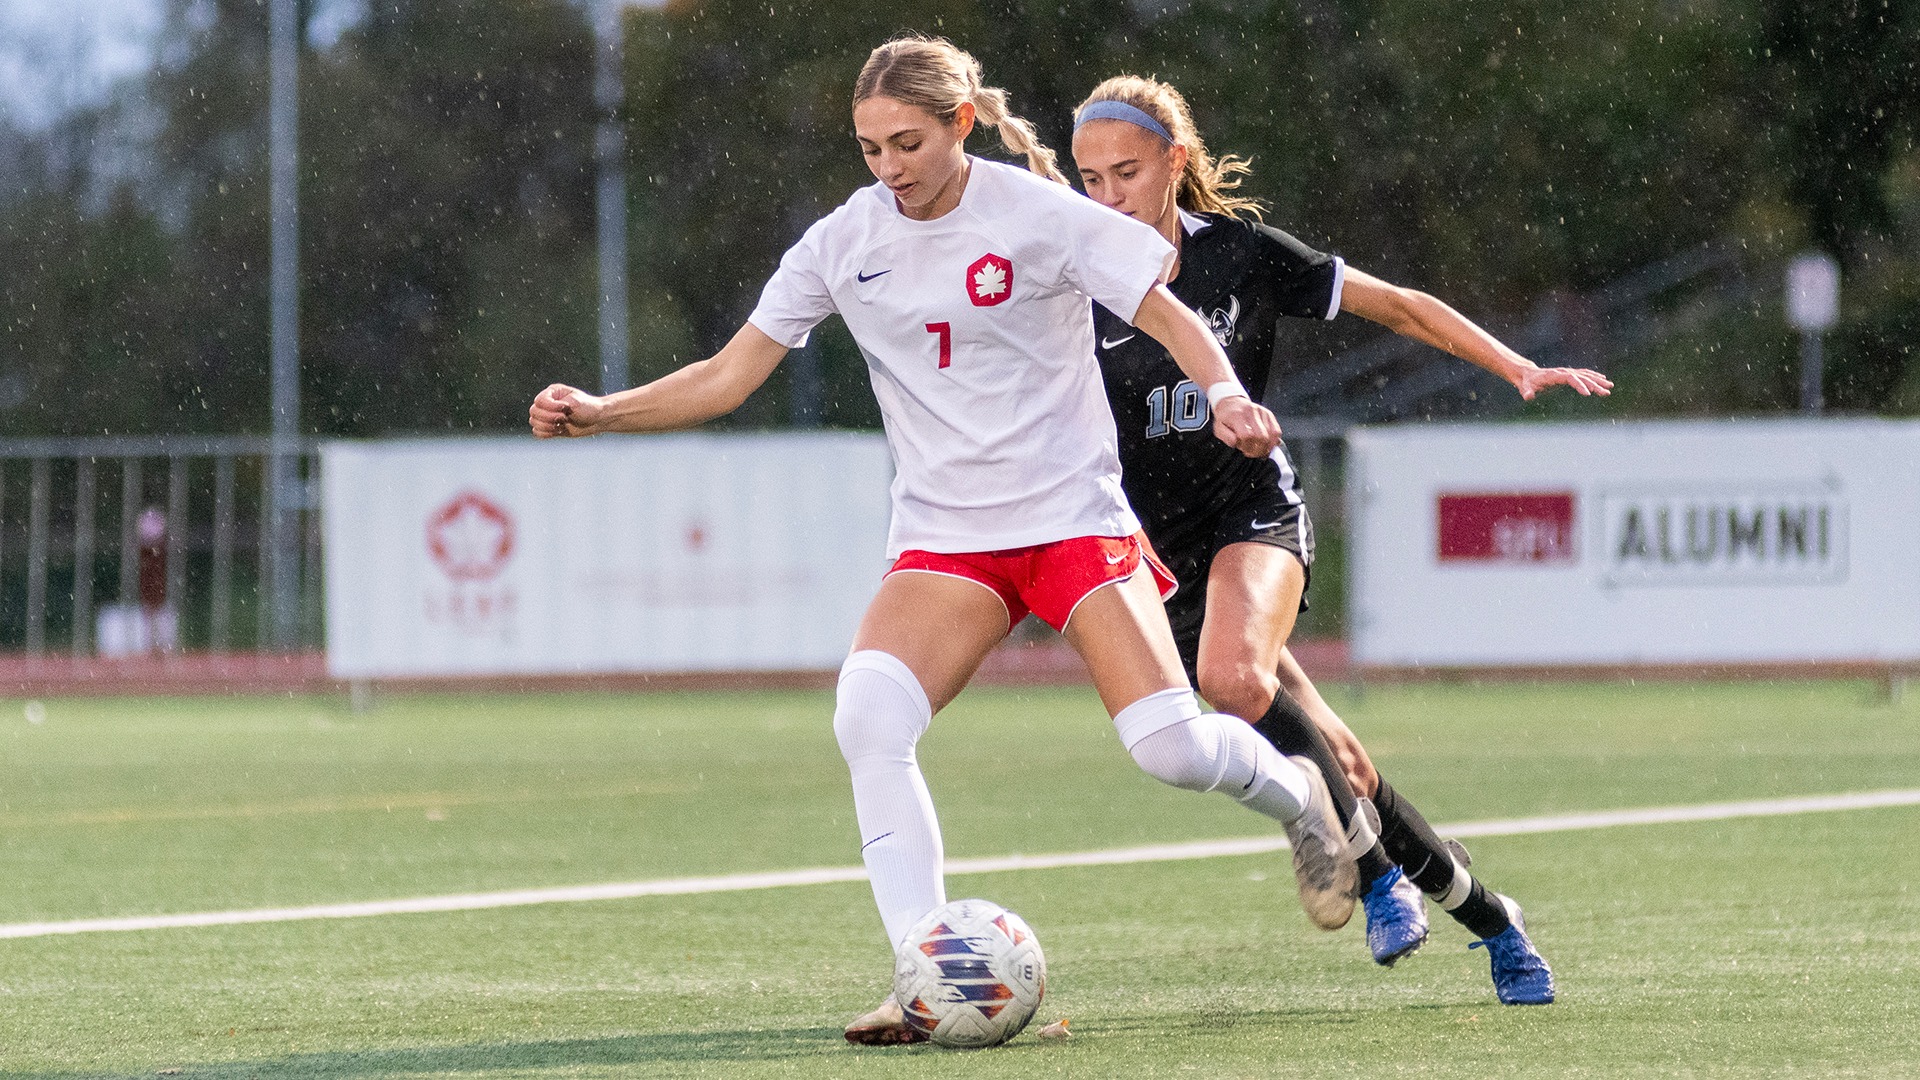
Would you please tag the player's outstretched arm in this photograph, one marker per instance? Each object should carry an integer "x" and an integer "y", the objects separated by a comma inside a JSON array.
[
  {"x": 1238, "y": 420},
  {"x": 1414, "y": 314},
  {"x": 692, "y": 395}
]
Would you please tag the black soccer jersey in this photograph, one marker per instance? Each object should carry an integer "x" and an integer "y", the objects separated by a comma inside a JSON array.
[{"x": 1242, "y": 277}]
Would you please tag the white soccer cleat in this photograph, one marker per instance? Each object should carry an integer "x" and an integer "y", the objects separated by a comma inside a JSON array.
[
  {"x": 1323, "y": 865},
  {"x": 884, "y": 1026}
]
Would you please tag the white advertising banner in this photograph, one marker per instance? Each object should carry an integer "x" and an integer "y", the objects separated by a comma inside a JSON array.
[
  {"x": 1708, "y": 542},
  {"x": 691, "y": 552}
]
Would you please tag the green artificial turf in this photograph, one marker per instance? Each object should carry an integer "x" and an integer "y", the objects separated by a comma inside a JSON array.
[{"x": 1754, "y": 947}]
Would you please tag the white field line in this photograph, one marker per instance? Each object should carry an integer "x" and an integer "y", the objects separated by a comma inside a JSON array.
[{"x": 826, "y": 875}]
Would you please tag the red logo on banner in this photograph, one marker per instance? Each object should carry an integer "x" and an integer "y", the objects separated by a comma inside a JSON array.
[
  {"x": 1510, "y": 527},
  {"x": 990, "y": 280},
  {"x": 471, "y": 538}
]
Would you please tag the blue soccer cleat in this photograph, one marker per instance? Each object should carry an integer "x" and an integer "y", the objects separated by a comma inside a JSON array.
[
  {"x": 1396, "y": 917},
  {"x": 1520, "y": 974}
]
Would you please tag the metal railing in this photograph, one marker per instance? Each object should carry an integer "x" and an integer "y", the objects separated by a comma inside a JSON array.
[
  {"x": 148, "y": 544},
  {"x": 73, "y": 562},
  {"x": 1394, "y": 378}
]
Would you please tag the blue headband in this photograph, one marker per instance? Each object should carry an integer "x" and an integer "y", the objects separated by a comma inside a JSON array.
[{"x": 1120, "y": 110}]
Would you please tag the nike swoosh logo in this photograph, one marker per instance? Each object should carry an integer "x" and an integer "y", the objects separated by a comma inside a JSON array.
[
  {"x": 1268, "y": 524},
  {"x": 1115, "y": 560},
  {"x": 869, "y": 277},
  {"x": 1108, "y": 343}
]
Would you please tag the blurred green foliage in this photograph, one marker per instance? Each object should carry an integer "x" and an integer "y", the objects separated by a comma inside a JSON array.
[{"x": 1490, "y": 152}]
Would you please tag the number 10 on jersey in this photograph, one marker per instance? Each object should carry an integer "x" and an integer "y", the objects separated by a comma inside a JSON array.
[
  {"x": 945, "y": 332},
  {"x": 1189, "y": 411}
]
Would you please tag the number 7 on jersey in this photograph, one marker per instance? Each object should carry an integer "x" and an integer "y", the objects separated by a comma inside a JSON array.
[{"x": 945, "y": 330}]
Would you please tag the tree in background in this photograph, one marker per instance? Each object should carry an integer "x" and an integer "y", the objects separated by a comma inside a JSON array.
[
  {"x": 446, "y": 224},
  {"x": 448, "y": 214},
  {"x": 1839, "y": 84},
  {"x": 1497, "y": 153}
]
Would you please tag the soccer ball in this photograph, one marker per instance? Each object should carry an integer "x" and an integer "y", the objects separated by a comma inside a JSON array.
[{"x": 969, "y": 975}]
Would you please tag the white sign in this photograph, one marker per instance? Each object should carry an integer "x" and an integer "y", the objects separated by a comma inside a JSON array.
[
  {"x": 669, "y": 553},
  {"x": 1736, "y": 541},
  {"x": 1813, "y": 291}
]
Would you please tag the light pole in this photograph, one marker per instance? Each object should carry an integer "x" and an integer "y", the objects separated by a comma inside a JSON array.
[
  {"x": 281, "y": 559},
  {"x": 610, "y": 189},
  {"x": 610, "y": 204},
  {"x": 280, "y": 569},
  {"x": 1813, "y": 306}
]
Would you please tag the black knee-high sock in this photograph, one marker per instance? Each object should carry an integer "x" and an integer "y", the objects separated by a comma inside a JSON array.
[
  {"x": 1412, "y": 843},
  {"x": 1287, "y": 726}
]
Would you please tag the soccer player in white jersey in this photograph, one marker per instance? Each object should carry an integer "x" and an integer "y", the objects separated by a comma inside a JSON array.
[
  {"x": 1239, "y": 540},
  {"x": 966, "y": 284}
]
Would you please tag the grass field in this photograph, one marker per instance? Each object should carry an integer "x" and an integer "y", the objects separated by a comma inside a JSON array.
[{"x": 1752, "y": 947}]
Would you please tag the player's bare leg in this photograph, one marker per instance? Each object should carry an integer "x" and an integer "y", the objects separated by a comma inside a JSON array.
[
  {"x": 941, "y": 627},
  {"x": 1120, "y": 630},
  {"x": 1253, "y": 598},
  {"x": 1354, "y": 761},
  {"x": 920, "y": 641}
]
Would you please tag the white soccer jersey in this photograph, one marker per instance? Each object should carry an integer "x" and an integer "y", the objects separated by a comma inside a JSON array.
[{"x": 979, "y": 342}]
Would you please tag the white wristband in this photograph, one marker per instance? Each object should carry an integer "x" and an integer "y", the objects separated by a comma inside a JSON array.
[{"x": 1221, "y": 391}]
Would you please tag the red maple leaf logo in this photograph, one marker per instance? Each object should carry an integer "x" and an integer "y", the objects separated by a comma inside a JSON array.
[
  {"x": 990, "y": 280},
  {"x": 470, "y": 537}
]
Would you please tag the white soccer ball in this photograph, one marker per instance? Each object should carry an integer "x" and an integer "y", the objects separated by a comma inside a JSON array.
[{"x": 970, "y": 974}]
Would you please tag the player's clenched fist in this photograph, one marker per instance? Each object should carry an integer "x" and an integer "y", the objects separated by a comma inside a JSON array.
[
  {"x": 561, "y": 411},
  {"x": 1247, "y": 427}
]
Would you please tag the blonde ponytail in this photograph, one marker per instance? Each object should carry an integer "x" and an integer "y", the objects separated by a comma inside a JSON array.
[
  {"x": 938, "y": 76},
  {"x": 990, "y": 105}
]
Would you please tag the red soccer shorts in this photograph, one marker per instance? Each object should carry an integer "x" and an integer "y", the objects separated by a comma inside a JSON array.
[{"x": 1048, "y": 580}]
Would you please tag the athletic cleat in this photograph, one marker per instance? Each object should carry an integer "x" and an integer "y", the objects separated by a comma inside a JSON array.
[
  {"x": 884, "y": 1026},
  {"x": 1322, "y": 864},
  {"x": 1396, "y": 917},
  {"x": 1520, "y": 974}
]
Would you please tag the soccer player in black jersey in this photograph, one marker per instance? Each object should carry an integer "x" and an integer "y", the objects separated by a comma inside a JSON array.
[{"x": 1233, "y": 529}]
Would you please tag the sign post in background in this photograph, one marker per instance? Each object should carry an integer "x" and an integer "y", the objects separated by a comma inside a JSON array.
[{"x": 1813, "y": 306}]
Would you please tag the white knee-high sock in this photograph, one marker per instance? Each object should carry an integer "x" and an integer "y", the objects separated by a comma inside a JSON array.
[
  {"x": 880, "y": 712},
  {"x": 1176, "y": 743}
]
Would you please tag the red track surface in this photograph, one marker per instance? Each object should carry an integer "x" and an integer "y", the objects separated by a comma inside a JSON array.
[
  {"x": 1048, "y": 663},
  {"x": 1044, "y": 663}
]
